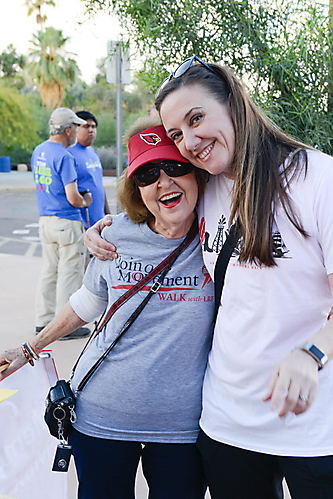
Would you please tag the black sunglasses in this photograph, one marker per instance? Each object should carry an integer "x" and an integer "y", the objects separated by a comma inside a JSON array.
[
  {"x": 150, "y": 172},
  {"x": 182, "y": 68}
]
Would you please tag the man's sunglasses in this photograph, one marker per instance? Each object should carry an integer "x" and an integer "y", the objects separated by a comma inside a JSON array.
[
  {"x": 150, "y": 172},
  {"x": 182, "y": 68}
]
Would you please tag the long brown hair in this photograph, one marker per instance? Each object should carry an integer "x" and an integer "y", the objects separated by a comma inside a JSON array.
[{"x": 266, "y": 161}]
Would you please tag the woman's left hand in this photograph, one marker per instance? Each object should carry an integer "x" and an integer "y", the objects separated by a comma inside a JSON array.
[{"x": 294, "y": 383}]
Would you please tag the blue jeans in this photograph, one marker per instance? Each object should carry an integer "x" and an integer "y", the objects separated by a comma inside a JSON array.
[
  {"x": 234, "y": 473},
  {"x": 107, "y": 468}
]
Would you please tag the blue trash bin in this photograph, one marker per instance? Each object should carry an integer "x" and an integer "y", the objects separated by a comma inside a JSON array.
[{"x": 5, "y": 164}]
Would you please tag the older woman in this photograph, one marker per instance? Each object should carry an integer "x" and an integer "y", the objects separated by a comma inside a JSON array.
[
  {"x": 267, "y": 395},
  {"x": 145, "y": 398}
]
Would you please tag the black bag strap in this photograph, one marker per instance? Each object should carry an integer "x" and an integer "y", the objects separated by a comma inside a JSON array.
[
  {"x": 162, "y": 268},
  {"x": 222, "y": 264}
]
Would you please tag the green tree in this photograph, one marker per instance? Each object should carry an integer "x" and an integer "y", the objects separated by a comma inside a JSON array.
[
  {"x": 100, "y": 99},
  {"x": 18, "y": 123},
  {"x": 51, "y": 66},
  {"x": 106, "y": 131},
  {"x": 77, "y": 95},
  {"x": 11, "y": 64},
  {"x": 283, "y": 50},
  {"x": 11, "y": 67}
]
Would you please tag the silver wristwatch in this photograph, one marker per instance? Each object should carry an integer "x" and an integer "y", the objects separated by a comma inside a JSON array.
[{"x": 315, "y": 353}]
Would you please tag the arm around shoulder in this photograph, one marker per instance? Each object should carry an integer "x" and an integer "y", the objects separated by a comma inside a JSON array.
[{"x": 97, "y": 246}]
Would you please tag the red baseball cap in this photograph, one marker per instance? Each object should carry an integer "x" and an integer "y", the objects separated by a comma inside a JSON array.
[{"x": 149, "y": 145}]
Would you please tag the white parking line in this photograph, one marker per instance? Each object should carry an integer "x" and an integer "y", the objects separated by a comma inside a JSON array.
[
  {"x": 30, "y": 238},
  {"x": 21, "y": 231}
]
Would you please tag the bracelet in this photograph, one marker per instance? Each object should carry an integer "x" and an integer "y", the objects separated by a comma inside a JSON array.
[
  {"x": 27, "y": 355},
  {"x": 315, "y": 353},
  {"x": 31, "y": 351}
]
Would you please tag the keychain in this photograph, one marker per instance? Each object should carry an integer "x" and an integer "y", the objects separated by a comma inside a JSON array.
[
  {"x": 64, "y": 450},
  {"x": 62, "y": 457}
]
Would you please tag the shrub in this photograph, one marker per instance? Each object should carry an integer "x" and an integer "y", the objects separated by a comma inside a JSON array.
[{"x": 108, "y": 157}]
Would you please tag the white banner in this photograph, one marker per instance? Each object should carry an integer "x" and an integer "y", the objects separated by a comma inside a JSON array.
[{"x": 26, "y": 448}]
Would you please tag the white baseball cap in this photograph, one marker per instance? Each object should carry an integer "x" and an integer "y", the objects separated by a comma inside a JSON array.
[{"x": 64, "y": 116}]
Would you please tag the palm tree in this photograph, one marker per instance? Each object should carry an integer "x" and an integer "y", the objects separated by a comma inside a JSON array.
[
  {"x": 51, "y": 66},
  {"x": 36, "y": 6}
]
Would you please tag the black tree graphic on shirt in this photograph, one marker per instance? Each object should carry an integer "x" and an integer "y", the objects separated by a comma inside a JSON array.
[{"x": 280, "y": 249}]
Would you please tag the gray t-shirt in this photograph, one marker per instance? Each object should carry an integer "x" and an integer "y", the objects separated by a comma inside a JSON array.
[{"x": 149, "y": 387}]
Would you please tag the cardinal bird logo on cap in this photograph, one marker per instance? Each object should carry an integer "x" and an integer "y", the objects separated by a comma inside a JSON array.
[{"x": 150, "y": 138}]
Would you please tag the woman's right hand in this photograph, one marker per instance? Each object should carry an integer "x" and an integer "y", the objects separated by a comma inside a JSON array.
[
  {"x": 97, "y": 246},
  {"x": 15, "y": 358}
]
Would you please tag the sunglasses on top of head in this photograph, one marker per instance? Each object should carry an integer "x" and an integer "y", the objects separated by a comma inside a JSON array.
[
  {"x": 150, "y": 172},
  {"x": 182, "y": 68}
]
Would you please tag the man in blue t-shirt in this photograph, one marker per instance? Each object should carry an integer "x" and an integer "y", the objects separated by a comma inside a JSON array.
[
  {"x": 89, "y": 170},
  {"x": 60, "y": 225}
]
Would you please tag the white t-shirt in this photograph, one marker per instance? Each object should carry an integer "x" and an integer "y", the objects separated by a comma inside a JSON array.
[{"x": 266, "y": 313}]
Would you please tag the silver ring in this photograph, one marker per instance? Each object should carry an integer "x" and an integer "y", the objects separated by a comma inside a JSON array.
[{"x": 302, "y": 397}]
